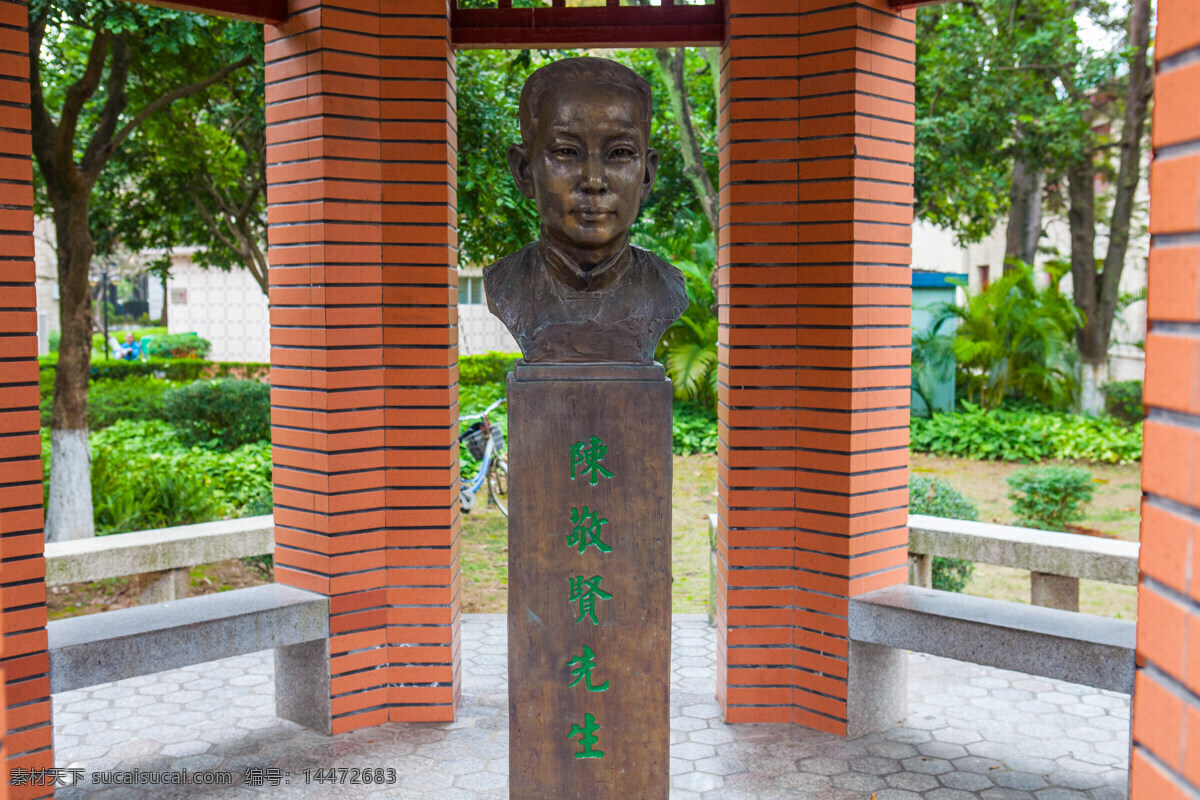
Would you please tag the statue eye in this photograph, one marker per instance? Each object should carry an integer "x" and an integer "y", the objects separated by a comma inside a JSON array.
[
  {"x": 565, "y": 151},
  {"x": 622, "y": 152}
]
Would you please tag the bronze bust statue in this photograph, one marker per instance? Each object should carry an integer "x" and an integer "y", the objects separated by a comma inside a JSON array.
[{"x": 582, "y": 292}]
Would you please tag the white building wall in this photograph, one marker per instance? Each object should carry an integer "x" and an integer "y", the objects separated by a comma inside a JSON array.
[
  {"x": 478, "y": 330},
  {"x": 226, "y": 308}
]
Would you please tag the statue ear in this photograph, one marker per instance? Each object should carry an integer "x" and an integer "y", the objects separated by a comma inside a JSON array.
[
  {"x": 651, "y": 171},
  {"x": 518, "y": 164}
]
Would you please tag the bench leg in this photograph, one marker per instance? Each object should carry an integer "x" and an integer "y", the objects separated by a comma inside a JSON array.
[
  {"x": 302, "y": 690},
  {"x": 920, "y": 570},
  {"x": 1054, "y": 591},
  {"x": 159, "y": 587},
  {"x": 877, "y": 689}
]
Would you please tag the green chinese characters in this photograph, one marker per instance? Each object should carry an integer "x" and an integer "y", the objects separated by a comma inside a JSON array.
[
  {"x": 587, "y": 737},
  {"x": 586, "y": 458},
  {"x": 585, "y": 532}
]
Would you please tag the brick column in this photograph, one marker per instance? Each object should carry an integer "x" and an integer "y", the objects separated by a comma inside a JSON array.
[
  {"x": 25, "y": 733},
  {"x": 1166, "y": 703},
  {"x": 363, "y": 247},
  {"x": 814, "y": 299}
]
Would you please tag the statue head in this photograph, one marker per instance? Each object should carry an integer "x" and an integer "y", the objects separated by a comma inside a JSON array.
[{"x": 584, "y": 155}]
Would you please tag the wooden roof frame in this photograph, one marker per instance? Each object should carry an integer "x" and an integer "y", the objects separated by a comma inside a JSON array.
[
  {"x": 610, "y": 25},
  {"x": 673, "y": 23}
]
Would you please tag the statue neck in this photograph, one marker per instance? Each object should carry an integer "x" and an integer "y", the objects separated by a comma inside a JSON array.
[{"x": 581, "y": 278}]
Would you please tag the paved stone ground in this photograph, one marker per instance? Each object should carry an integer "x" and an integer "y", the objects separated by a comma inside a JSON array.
[{"x": 971, "y": 732}]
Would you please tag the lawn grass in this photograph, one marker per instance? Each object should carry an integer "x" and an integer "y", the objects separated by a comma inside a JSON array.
[
  {"x": 485, "y": 544},
  {"x": 1114, "y": 512}
]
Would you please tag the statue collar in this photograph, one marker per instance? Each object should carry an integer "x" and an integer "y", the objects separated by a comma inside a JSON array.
[{"x": 568, "y": 271}]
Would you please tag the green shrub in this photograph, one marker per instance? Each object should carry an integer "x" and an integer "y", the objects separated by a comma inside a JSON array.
[
  {"x": 54, "y": 338},
  {"x": 135, "y": 397},
  {"x": 143, "y": 494},
  {"x": 46, "y": 388},
  {"x": 1022, "y": 435},
  {"x": 935, "y": 497},
  {"x": 221, "y": 413},
  {"x": 178, "y": 345},
  {"x": 171, "y": 369},
  {"x": 693, "y": 429},
  {"x": 144, "y": 478},
  {"x": 1050, "y": 498},
  {"x": 1123, "y": 399},
  {"x": 487, "y": 368}
]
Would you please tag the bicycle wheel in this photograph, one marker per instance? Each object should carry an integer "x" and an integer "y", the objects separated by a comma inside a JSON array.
[{"x": 497, "y": 482}]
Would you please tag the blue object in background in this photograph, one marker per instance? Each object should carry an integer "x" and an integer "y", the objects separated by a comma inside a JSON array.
[{"x": 929, "y": 290}]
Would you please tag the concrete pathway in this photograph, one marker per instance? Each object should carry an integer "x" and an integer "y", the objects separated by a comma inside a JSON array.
[{"x": 971, "y": 732}]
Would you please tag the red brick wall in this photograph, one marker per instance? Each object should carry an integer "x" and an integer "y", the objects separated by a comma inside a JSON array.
[
  {"x": 25, "y": 733},
  {"x": 1166, "y": 704},
  {"x": 363, "y": 247},
  {"x": 814, "y": 297}
]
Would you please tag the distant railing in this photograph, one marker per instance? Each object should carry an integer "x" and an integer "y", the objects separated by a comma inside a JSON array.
[
  {"x": 161, "y": 558},
  {"x": 1056, "y": 561}
]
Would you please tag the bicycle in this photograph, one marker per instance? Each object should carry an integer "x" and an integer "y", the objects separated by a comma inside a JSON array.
[{"x": 485, "y": 441}]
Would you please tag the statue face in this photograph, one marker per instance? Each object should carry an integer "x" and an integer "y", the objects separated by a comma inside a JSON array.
[{"x": 588, "y": 168}]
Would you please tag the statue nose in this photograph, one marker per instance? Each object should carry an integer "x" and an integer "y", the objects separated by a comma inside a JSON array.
[{"x": 593, "y": 175}]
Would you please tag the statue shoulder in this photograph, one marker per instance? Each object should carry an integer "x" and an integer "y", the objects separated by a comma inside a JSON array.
[
  {"x": 669, "y": 277},
  {"x": 507, "y": 276}
]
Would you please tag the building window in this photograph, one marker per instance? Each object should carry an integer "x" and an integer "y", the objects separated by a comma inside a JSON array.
[{"x": 470, "y": 291}]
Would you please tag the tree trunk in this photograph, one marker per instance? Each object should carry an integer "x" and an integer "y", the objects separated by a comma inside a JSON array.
[
  {"x": 165, "y": 302},
  {"x": 1024, "y": 215},
  {"x": 671, "y": 66},
  {"x": 1097, "y": 293},
  {"x": 1092, "y": 336},
  {"x": 69, "y": 514}
]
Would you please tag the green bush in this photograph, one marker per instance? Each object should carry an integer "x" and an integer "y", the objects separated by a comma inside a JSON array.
[
  {"x": 135, "y": 397},
  {"x": 935, "y": 497},
  {"x": 1123, "y": 399},
  {"x": 221, "y": 413},
  {"x": 1014, "y": 339},
  {"x": 1022, "y": 435},
  {"x": 487, "y": 368},
  {"x": 143, "y": 494},
  {"x": 178, "y": 345},
  {"x": 46, "y": 388},
  {"x": 144, "y": 478},
  {"x": 1050, "y": 498},
  {"x": 693, "y": 429}
]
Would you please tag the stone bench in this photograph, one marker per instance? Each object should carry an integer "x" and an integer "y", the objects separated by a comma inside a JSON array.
[
  {"x": 1066, "y": 645},
  {"x": 112, "y": 645}
]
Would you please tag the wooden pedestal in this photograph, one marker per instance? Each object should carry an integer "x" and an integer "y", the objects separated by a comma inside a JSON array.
[{"x": 589, "y": 598}]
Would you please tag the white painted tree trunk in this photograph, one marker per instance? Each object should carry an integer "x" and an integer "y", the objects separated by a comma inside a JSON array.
[
  {"x": 69, "y": 514},
  {"x": 1091, "y": 378}
]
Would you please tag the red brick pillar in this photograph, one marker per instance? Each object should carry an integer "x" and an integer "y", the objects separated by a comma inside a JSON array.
[
  {"x": 1166, "y": 702},
  {"x": 25, "y": 734},
  {"x": 814, "y": 298},
  {"x": 364, "y": 355}
]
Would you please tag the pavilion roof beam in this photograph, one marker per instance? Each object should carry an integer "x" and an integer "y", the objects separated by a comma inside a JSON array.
[
  {"x": 612, "y": 25},
  {"x": 902, "y": 4},
  {"x": 272, "y": 12}
]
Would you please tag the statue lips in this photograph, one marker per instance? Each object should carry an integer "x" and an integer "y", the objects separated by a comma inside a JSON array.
[{"x": 592, "y": 214}]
